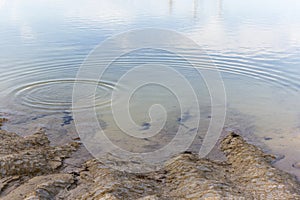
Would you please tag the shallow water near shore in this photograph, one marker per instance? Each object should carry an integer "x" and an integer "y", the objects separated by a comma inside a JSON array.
[{"x": 254, "y": 44}]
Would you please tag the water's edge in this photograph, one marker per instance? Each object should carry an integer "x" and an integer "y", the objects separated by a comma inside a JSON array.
[{"x": 32, "y": 168}]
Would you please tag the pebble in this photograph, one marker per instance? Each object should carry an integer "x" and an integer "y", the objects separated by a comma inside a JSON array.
[
  {"x": 267, "y": 138},
  {"x": 296, "y": 165}
]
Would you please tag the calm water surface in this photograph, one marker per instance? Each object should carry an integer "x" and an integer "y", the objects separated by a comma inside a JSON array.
[{"x": 255, "y": 45}]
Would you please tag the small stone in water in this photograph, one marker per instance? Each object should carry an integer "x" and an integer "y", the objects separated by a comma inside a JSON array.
[
  {"x": 296, "y": 165},
  {"x": 76, "y": 138},
  {"x": 2, "y": 120},
  {"x": 67, "y": 120},
  {"x": 268, "y": 138},
  {"x": 146, "y": 126}
]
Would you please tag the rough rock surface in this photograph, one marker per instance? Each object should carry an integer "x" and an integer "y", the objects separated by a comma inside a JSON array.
[
  {"x": 31, "y": 169},
  {"x": 2, "y": 120},
  {"x": 30, "y": 155},
  {"x": 251, "y": 171},
  {"x": 24, "y": 158}
]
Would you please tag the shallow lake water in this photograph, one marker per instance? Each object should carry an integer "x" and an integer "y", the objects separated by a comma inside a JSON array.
[{"x": 254, "y": 44}]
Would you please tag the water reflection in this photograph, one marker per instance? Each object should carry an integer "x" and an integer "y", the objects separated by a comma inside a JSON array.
[
  {"x": 170, "y": 6},
  {"x": 255, "y": 44}
]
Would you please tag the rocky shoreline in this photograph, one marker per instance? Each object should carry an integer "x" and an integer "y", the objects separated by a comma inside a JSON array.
[{"x": 33, "y": 169}]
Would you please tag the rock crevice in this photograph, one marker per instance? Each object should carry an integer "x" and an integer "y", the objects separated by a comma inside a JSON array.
[{"x": 32, "y": 169}]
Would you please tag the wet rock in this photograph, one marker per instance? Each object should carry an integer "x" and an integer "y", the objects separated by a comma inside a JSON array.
[
  {"x": 268, "y": 138},
  {"x": 2, "y": 120},
  {"x": 67, "y": 119},
  {"x": 22, "y": 158},
  {"x": 35, "y": 170},
  {"x": 296, "y": 165},
  {"x": 247, "y": 174},
  {"x": 101, "y": 182},
  {"x": 189, "y": 177},
  {"x": 42, "y": 187},
  {"x": 30, "y": 155},
  {"x": 252, "y": 173},
  {"x": 278, "y": 157},
  {"x": 146, "y": 126}
]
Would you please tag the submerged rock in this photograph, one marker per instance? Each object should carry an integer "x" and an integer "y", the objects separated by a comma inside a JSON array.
[
  {"x": 31, "y": 169},
  {"x": 296, "y": 165},
  {"x": 2, "y": 120}
]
